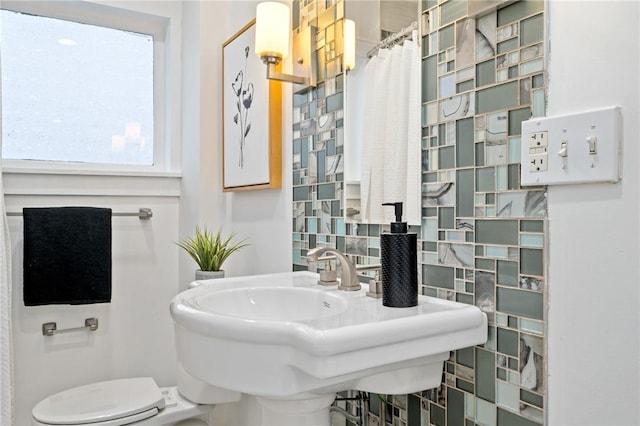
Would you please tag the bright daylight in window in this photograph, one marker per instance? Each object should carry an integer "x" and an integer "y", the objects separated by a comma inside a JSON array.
[{"x": 73, "y": 92}]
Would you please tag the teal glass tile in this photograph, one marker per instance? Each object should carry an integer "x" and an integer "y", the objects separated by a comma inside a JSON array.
[
  {"x": 508, "y": 396},
  {"x": 464, "y": 298},
  {"x": 470, "y": 406},
  {"x": 430, "y": 212},
  {"x": 312, "y": 225},
  {"x": 464, "y": 142},
  {"x": 538, "y": 81},
  {"x": 519, "y": 10},
  {"x": 519, "y": 302},
  {"x": 308, "y": 209},
  {"x": 508, "y": 342},
  {"x": 297, "y": 257},
  {"x": 429, "y": 79},
  {"x": 446, "y": 37},
  {"x": 300, "y": 193},
  {"x": 464, "y": 385},
  {"x": 464, "y": 192},
  {"x": 490, "y": 198},
  {"x": 430, "y": 230},
  {"x": 501, "y": 374},
  {"x": 485, "y": 380},
  {"x": 446, "y": 158},
  {"x": 431, "y": 292},
  {"x": 496, "y": 252},
  {"x": 452, "y": 11},
  {"x": 438, "y": 276},
  {"x": 300, "y": 98},
  {"x": 513, "y": 378},
  {"x": 486, "y": 73},
  {"x": 507, "y": 273},
  {"x": 516, "y": 117},
  {"x": 465, "y": 86},
  {"x": 335, "y": 208},
  {"x": 455, "y": 407},
  {"x": 491, "y": 231},
  {"x": 531, "y": 398},
  {"x": 531, "y": 240},
  {"x": 340, "y": 226},
  {"x": 507, "y": 45},
  {"x": 428, "y": 4},
  {"x": 465, "y": 357},
  {"x": 459, "y": 273},
  {"x": 479, "y": 250},
  {"x": 430, "y": 177},
  {"x": 374, "y": 230},
  {"x": 513, "y": 322},
  {"x": 531, "y": 66},
  {"x": 446, "y": 218},
  {"x": 334, "y": 102},
  {"x": 531, "y": 262},
  {"x": 326, "y": 191},
  {"x": 507, "y": 418},
  {"x": 539, "y": 103},
  {"x": 502, "y": 178},
  {"x": 513, "y": 180},
  {"x": 532, "y": 30},
  {"x": 485, "y": 179},
  {"x": 514, "y": 149},
  {"x": 485, "y": 413},
  {"x": 513, "y": 364},
  {"x": 486, "y": 264},
  {"x": 491, "y": 339},
  {"x": 413, "y": 410},
  {"x": 512, "y": 72},
  {"x": 437, "y": 415},
  {"x": 531, "y": 326},
  {"x": 498, "y": 97},
  {"x": 480, "y": 154}
]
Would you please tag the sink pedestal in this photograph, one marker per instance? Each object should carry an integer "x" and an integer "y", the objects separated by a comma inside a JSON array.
[{"x": 305, "y": 410}]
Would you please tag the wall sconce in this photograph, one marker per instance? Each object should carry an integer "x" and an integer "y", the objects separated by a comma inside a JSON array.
[
  {"x": 273, "y": 26},
  {"x": 349, "y": 38}
]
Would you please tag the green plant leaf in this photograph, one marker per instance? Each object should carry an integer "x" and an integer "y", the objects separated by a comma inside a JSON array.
[{"x": 209, "y": 249}]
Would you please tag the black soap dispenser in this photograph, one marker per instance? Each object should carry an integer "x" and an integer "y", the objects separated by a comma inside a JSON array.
[{"x": 399, "y": 263}]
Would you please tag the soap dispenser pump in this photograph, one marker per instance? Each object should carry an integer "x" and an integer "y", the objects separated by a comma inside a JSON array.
[{"x": 399, "y": 259}]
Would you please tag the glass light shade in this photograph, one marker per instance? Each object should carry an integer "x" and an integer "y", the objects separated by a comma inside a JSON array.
[
  {"x": 349, "y": 37},
  {"x": 273, "y": 25}
]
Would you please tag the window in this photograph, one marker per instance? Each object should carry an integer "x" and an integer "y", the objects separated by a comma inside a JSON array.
[{"x": 80, "y": 92}]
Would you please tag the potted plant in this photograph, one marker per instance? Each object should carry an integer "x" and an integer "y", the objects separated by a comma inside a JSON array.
[{"x": 210, "y": 250}]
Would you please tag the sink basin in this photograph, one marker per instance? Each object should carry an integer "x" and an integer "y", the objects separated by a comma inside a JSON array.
[
  {"x": 282, "y": 337},
  {"x": 271, "y": 303}
]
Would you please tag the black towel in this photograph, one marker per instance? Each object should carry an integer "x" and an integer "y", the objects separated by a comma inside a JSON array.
[{"x": 67, "y": 255}]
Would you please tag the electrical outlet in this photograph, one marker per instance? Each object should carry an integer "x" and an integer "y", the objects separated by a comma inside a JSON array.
[{"x": 594, "y": 155}]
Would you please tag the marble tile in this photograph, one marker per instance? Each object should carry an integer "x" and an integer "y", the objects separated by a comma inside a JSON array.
[
  {"x": 507, "y": 31},
  {"x": 455, "y": 254},
  {"x": 522, "y": 204},
  {"x": 439, "y": 194},
  {"x": 486, "y": 36},
  {"x": 485, "y": 293},
  {"x": 457, "y": 107},
  {"x": 465, "y": 42}
]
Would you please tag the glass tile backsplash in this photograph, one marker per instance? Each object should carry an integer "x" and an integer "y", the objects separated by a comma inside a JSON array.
[{"x": 482, "y": 235}]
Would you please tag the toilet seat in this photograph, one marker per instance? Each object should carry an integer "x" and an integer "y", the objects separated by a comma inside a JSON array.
[{"x": 110, "y": 403}]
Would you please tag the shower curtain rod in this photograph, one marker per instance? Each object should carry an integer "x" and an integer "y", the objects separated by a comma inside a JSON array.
[{"x": 393, "y": 38}]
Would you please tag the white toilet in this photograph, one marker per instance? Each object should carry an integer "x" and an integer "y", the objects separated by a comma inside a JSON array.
[{"x": 136, "y": 401}]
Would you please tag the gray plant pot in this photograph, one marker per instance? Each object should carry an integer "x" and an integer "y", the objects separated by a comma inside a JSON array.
[{"x": 208, "y": 275}]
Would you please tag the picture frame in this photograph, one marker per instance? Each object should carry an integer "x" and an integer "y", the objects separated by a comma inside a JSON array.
[{"x": 252, "y": 117}]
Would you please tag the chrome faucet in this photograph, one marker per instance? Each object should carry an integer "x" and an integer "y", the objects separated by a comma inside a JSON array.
[{"x": 349, "y": 277}]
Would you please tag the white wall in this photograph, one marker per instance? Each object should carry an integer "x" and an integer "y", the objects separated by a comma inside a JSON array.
[
  {"x": 264, "y": 217},
  {"x": 593, "y": 337}
]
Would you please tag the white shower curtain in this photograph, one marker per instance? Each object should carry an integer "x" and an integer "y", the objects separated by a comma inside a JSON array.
[
  {"x": 391, "y": 155},
  {"x": 6, "y": 362}
]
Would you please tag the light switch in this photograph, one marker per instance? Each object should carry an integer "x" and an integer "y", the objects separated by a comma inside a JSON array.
[{"x": 594, "y": 156}]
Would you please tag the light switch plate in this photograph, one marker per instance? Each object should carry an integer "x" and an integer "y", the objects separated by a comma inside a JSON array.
[{"x": 571, "y": 149}]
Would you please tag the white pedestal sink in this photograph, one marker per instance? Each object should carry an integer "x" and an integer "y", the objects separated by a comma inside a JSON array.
[{"x": 293, "y": 344}]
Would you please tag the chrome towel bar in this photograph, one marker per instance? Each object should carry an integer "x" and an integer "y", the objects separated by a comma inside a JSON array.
[
  {"x": 143, "y": 213},
  {"x": 51, "y": 328}
]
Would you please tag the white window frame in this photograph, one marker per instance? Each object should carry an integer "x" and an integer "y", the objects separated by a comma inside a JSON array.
[{"x": 162, "y": 21}]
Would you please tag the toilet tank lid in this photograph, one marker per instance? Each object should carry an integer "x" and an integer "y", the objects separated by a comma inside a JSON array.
[{"x": 99, "y": 402}]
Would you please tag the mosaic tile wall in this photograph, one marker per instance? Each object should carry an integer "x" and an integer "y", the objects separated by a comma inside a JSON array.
[{"x": 482, "y": 235}]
